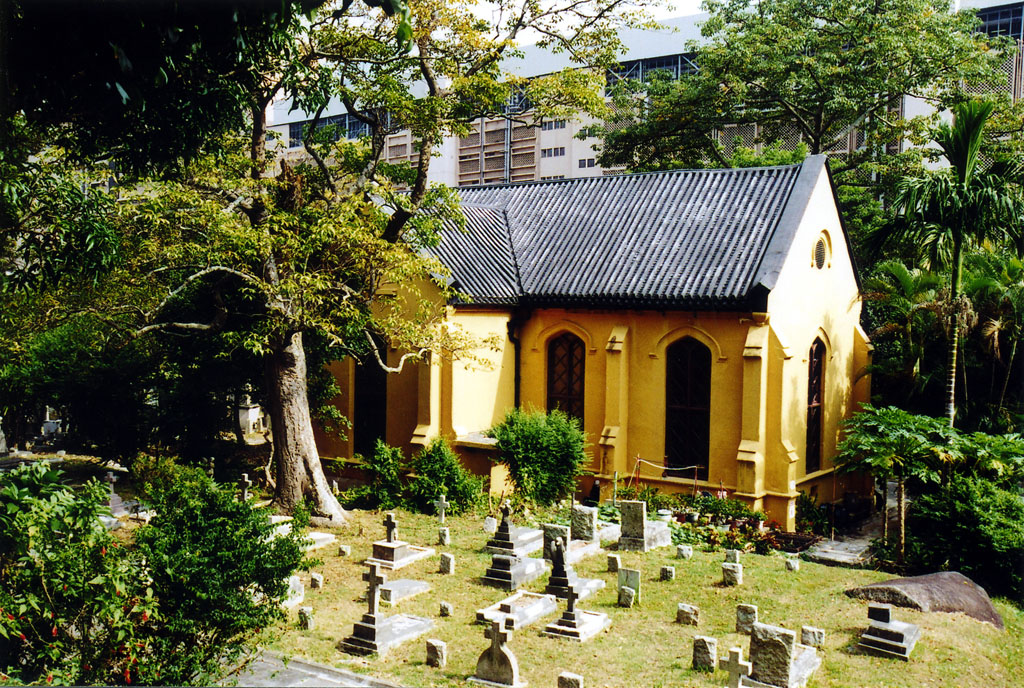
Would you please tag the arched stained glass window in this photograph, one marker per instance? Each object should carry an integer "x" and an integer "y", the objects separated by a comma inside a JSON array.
[
  {"x": 566, "y": 366},
  {"x": 688, "y": 406}
]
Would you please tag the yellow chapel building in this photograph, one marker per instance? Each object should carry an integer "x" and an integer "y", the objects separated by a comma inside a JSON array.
[{"x": 704, "y": 326}]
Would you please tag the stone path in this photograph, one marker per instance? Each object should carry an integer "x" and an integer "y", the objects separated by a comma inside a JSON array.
[
  {"x": 852, "y": 551},
  {"x": 271, "y": 670}
]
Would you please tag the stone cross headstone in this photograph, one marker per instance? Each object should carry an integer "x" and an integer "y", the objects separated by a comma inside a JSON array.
[
  {"x": 374, "y": 580},
  {"x": 497, "y": 664},
  {"x": 736, "y": 667},
  {"x": 111, "y": 479},
  {"x": 246, "y": 484},
  {"x": 392, "y": 527},
  {"x": 441, "y": 504}
]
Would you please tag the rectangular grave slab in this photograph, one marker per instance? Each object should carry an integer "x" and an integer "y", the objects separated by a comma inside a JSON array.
[
  {"x": 893, "y": 639},
  {"x": 376, "y": 634},
  {"x": 608, "y": 532},
  {"x": 580, "y": 550},
  {"x": 585, "y": 587},
  {"x": 395, "y": 555},
  {"x": 526, "y": 607},
  {"x": 584, "y": 626},
  {"x": 509, "y": 572},
  {"x": 395, "y": 591}
]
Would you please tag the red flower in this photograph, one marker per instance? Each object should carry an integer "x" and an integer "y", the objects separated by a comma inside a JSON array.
[
  {"x": 22, "y": 636},
  {"x": 127, "y": 676},
  {"x": 103, "y": 551},
  {"x": 49, "y": 678},
  {"x": 54, "y": 631},
  {"x": 145, "y": 616}
]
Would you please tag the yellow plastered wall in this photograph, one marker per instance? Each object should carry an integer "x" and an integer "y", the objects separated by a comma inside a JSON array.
[{"x": 482, "y": 390}]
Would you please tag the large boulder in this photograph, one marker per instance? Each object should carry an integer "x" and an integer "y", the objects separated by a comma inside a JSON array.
[{"x": 946, "y": 591}]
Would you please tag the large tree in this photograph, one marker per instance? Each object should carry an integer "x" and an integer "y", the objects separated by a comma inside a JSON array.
[
  {"x": 818, "y": 71},
  {"x": 302, "y": 247}
]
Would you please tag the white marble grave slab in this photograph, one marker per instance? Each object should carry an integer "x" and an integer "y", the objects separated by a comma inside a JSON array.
[{"x": 526, "y": 607}]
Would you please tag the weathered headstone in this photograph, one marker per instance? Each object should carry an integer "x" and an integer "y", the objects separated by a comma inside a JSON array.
[
  {"x": 447, "y": 564},
  {"x": 887, "y": 637},
  {"x": 512, "y": 540},
  {"x": 344, "y": 550},
  {"x": 732, "y": 556},
  {"x": 306, "y": 621},
  {"x": 441, "y": 504},
  {"x": 736, "y": 667},
  {"x": 778, "y": 660},
  {"x": 631, "y": 578},
  {"x": 316, "y": 581},
  {"x": 792, "y": 564},
  {"x": 552, "y": 533},
  {"x": 375, "y": 632},
  {"x": 627, "y": 597},
  {"x": 569, "y": 680},
  {"x": 444, "y": 536},
  {"x": 684, "y": 551},
  {"x": 114, "y": 501},
  {"x": 732, "y": 574},
  {"x": 668, "y": 573},
  {"x": 392, "y": 553},
  {"x": 437, "y": 653},
  {"x": 687, "y": 614},
  {"x": 705, "y": 653},
  {"x": 490, "y": 525},
  {"x": 637, "y": 532},
  {"x": 296, "y": 593},
  {"x": 446, "y": 609},
  {"x": 584, "y": 523},
  {"x": 245, "y": 484},
  {"x": 497, "y": 666},
  {"x": 614, "y": 562},
  {"x": 746, "y": 617},
  {"x": 812, "y": 637}
]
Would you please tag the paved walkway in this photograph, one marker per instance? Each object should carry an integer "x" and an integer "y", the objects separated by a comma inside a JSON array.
[
  {"x": 852, "y": 551},
  {"x": 271, "y": 670}
]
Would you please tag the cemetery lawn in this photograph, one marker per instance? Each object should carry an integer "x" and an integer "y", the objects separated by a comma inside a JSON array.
[{"x": 643, "y": 646}]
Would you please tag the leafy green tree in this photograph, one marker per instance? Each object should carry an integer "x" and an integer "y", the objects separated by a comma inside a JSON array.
[
  {"x": 815, "y": 71},
  {"x": 963, "y": 205}
]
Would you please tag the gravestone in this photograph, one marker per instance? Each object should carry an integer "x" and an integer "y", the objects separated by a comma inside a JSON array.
[
  {"x": 402, "y": 589},
  {"x": 737, "y": 668},
  {"x": 510, "y": 572},
  {"x": 614, "y": 562},
  {"x": 245, "y": 484},
  {"x": 509, "y": 539},
  {"x": 524, "y": 607},
  {"x": 732, "y": 574},
  {"x": 117, "y": 505},
  {"x": 746, "y": 617},
  {"x": 306, "y": 621},
  {"x": 447, "y": 564},
  {"x": 812, "y": 637},
  {"x": 778, "y": 659},
  {"x": 562, "y": 576},
  {"x": 637, "y": 532},
  {"x": 375, "y": 632},
  {"x": 668, "y": 573},
  {"x": 444, "y": 536},
  {"x": 437, "y": 653},
  {"x": 441, "y": 504},
  {"x": 630, "y": 578},
  {"x": 684, "y": 552},
  {"x": 497, "y": 665},
  {"x": 584, "y": 523},
  {"x": 732, "y": 556},
  {"x": 627, "y": 597},
  {"x": 3, "y": 438},
  {"x": 316, "y": 581},
  {"x": 577, "y": 624},
  {"x": 296, "y": 593},
  {"x": 687, "y": 614},
  {"x": 391, "y": 553},
  {"x": 567, "y": 679},
  {"x": 344, "y": 550},
  {"x": 792, "y": 564},
  {"x": 705, "y": 653},
  {"x": 887, "y": 637},
  {"x": 552, "y": 533},
  {"x": 490, "y": 525},
  {"x": 446, "y": 609}
]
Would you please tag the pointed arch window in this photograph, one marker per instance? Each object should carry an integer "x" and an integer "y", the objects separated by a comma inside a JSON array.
[
  {"x": 688, "y": 405},
  {"x": 815, "y": 405},
  {"x": 566, "y": 367}
]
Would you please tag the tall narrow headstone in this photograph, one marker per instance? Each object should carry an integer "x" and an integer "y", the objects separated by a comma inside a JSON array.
[{"x": 705, "y": 653}]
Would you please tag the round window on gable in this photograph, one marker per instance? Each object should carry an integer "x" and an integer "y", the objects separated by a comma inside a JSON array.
[{"x": 822, "y": 253}]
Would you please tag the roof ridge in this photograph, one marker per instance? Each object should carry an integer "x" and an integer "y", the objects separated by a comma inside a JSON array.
[{"x": 512, "y": 250}]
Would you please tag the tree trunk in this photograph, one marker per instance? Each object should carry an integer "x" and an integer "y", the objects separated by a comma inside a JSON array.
[
  {"x": 297, "y": 464},
  {"x": 954, "y": 335},
  {"x": 901, "y": 516}
]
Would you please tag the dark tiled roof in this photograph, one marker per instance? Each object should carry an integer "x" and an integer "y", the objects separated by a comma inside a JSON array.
[{"x": 681, "y": 239}]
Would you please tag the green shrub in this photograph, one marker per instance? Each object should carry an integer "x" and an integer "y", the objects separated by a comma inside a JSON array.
[
  {"x": 383, "y": 488},
  {"x": 438, "y": 471},
  {"x": 175, "y": 606},
  {"x": 219, "y": 576},
  {"x": 809, "y": 516},
  {"x": 974, "y": 527},
  {"x": 544, "y": 453},
  {"x": 73, "y": 602}
]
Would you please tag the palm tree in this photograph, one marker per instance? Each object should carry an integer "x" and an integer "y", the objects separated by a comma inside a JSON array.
[{"x": 962, "y": 205}]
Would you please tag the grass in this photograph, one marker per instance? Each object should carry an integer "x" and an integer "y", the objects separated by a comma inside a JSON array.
[{"x": 643, "y": 646}]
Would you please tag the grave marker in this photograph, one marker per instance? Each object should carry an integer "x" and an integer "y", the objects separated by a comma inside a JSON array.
[
  {"x": 246, "y": 484},
  {"x": 437, "y": 653},
  {"x": 736, "y": 667},
  {"x": 687, "y": 614},
  {"x": 705, "y": 653},
  {"x": 497, "y": 665},
  {"x": 746, "y": 617},
  {"x": 441, "y": 504}
]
